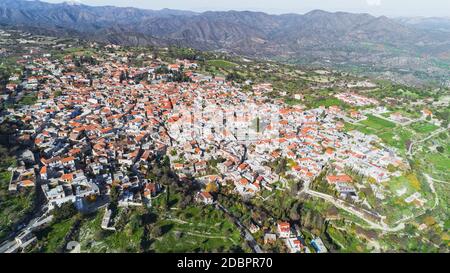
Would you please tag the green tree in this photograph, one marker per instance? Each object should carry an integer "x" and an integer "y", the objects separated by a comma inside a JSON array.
[
  {"x": 257, "y": 124},
  {"x": 63, "y": 212},
  {"x": 122, "y": 76},
  {"x": 391, "y": 168},
  {"x": 115, "y": 193}
]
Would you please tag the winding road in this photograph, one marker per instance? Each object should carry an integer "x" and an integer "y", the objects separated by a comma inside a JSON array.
[
  {"x": 366, "y": 215},
  {"x": 12, "y": 245},
  {"x": 358, "y": 212},
  {"x": 410, "y": 149}
]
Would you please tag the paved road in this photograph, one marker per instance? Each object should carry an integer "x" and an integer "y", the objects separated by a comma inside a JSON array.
[
  {"x": 440, "y": 181},
  {"x": 352, "y": 209},
  {"x": 7, "y": 246},
  {"x": 358, "y": 212},
  {"x": 12, "y": 245},
  {"x": 433, "y": 190},
  {"x": 362, "y": 213},
  {"x": 410, "y": 149}
]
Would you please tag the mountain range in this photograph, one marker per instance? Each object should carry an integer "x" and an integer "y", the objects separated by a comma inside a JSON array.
[
  {"x": 317, "y": 38},
  {"x": 428, "y": 23}
]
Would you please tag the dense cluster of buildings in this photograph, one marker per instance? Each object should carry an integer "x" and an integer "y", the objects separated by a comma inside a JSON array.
[
  {"x": 356, "y": 99},
  {"x": 97, "y": 131},
  {"x": 216, "y": 121},
  {"x": 294, "y": 240}
]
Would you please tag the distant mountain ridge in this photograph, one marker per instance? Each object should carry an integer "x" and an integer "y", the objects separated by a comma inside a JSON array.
[
  {"x": 316, "y": 37},
  {"x": 431, "y": 23}
]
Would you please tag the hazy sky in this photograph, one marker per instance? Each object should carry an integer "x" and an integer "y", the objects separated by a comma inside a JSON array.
[{"x": 376, "y": 7}]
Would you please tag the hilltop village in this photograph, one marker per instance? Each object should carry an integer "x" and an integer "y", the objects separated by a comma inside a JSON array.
[
  {"x": 103, "y": 132},
  {"x": 96, "y": 133}
]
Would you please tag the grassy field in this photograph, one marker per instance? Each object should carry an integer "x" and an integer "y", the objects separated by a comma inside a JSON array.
[
  {"x": 388, "y": 132},
  {"x": 197, "y": 230},
  {"x": 28, "y": 99},
  {"x": 423, "y": 127},
  {"x": 377, "y": 123},
  {"x": 441, "y": 212},
  {"x": 222, "y": 64},
  {"x": 95, "y": 240},
  {"x": 326, "y": 102},
  {"x": 346, "y": 240},
  {"x": 194, "y": 229},
  {"x": 441, "y": 162},
  {"x": 408, "y": 183},
  {"x": 400, "y": 188},
  {"x": 319, "y": 79},
  {"x": 396, "y": 138},
  {"x": 292, "y": 101},
  {"x": 433, "y": 161},
  {"x": 438, "y": 165},
  {"x": 79, "y": 51},
  {"x": 12, "y": 207},
  {"x": 405, "y": 113},
  {"x": 53, "y": 236}
]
